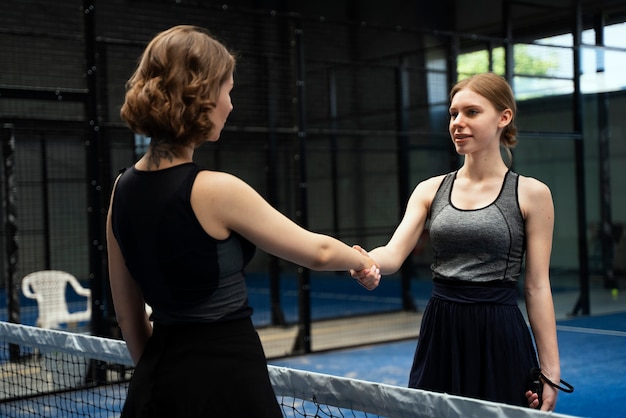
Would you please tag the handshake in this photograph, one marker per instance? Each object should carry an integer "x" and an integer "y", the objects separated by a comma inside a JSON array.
[{"x": 369, "y": 278}]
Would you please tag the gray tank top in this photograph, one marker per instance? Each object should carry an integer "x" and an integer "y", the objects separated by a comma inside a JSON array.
[{"x": 480, "y": 245}]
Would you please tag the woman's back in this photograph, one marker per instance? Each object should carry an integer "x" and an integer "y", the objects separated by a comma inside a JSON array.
[{"x": 184, "y": 273}]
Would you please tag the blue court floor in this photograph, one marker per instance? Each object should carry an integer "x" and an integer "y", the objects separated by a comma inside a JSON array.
[
  {"x": 593, "y": 360},
  {"x": 592, "y": 348}
]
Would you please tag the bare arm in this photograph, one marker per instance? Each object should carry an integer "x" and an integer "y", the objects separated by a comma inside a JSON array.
[
  {"x": 127, "y": 298},
  {"x": 538, "y": 209},
  {"x": 391, "y": 256},
  {"x": 224, "y": 203}
]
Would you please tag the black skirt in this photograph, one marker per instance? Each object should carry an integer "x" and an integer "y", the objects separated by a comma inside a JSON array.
[
  {"x": 202, "y": 370},
  {"x": 474, "y": 342}
]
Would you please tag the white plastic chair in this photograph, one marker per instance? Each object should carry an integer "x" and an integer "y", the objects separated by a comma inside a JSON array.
[{"x": 48, "y": 287}]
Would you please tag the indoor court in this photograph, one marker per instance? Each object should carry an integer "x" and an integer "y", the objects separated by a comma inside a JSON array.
[
  {"x": 339, "y": 110},
  {"x": 593, "y": 358}
]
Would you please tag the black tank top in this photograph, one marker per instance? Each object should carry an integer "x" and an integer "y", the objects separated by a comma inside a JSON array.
[
  {"x": 185, "y": 274},
  {"x": 480, "y": 245}
]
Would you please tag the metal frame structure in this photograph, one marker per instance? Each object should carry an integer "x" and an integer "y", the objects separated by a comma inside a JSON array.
[{"x": 98, "y": 155}]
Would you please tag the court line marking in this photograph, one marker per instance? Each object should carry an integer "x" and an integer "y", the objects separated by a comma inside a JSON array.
[{"x": 591, "y": 331}]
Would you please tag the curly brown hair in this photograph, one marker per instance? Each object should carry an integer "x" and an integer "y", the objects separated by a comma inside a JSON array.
[
  {"x": 498, "y": 91},
  {"x": 176, "y": 85}
]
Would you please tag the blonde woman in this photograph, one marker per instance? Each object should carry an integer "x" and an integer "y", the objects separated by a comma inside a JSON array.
[{"x": 483, "y": 219}]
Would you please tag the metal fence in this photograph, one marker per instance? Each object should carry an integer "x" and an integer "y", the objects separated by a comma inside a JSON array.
[{"x": 325, "y": 113}]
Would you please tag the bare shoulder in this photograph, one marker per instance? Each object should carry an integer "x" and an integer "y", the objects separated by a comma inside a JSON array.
[
  {"x": 218, "y": 182},
  {"x": 217, "y": 177},
  {"x": 425, "y": 191},
  {"x": 215, "y": 190},
  {"x": 219, "y": 199},
  {"x": 534, "y": 195},
  {"x": 532, "y": 188},
  {"x": 224, "y": 190},
  {"x": 430, "y": 185}
]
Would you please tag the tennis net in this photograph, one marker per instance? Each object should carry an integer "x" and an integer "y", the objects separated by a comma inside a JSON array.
[{"x": 61, "y": 374}]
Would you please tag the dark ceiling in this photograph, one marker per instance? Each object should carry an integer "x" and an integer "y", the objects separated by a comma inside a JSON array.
[{"x": 483, "y": 17}]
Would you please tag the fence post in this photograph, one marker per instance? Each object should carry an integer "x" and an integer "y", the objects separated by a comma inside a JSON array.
[
  {"x": 10, "y": 227},
  {"x": 583, "y": 303},
  {"x": 403, "y": 103},
  {"x": 303, "y": 343}
]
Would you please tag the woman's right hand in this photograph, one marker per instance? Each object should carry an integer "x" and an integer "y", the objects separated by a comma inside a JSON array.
[{"x": 369, "y": 278}]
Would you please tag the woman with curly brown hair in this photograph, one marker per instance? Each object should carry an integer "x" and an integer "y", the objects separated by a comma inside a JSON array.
[{"x": 179, "y": 237}]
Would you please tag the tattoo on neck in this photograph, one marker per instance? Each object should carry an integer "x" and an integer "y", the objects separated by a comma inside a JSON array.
[{"x": 162, "y": 151}]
